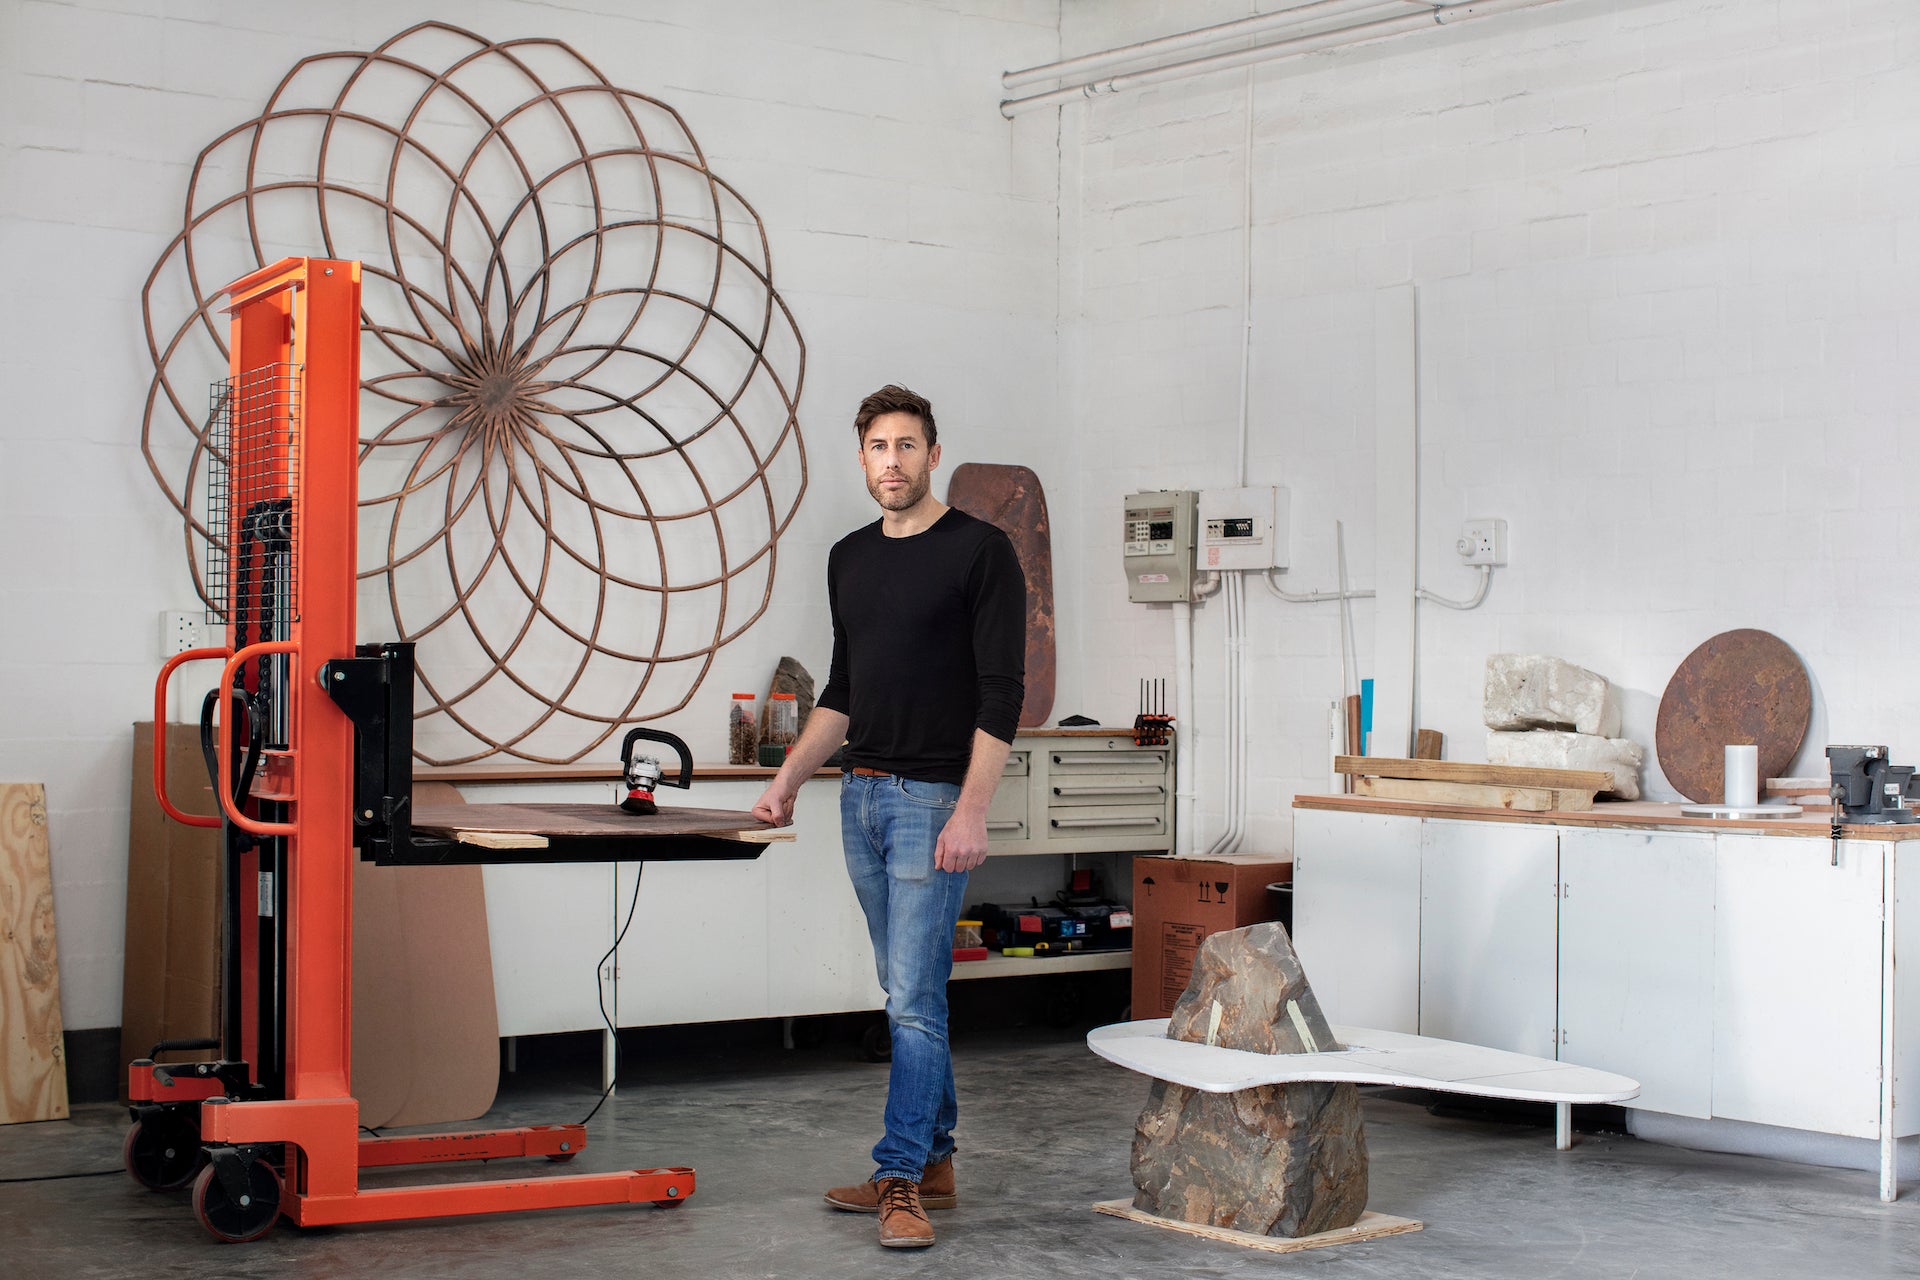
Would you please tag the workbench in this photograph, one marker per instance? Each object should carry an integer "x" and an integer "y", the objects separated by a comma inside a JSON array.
[{"x": 1740, "y": 970}]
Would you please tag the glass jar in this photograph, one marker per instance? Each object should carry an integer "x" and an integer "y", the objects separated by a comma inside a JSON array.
[
  {"x": 783, "y": 720},
  {"x": 743, "y": 731}
]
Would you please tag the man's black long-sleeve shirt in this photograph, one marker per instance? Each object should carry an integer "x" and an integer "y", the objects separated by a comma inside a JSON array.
[{"x": 929, "y": 644}]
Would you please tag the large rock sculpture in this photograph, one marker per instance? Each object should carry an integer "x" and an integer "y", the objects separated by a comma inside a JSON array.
[
  {"x": 1535, "y": 691},
  {"x": 1281, "y": 1160},
  {"x": 1553, "y": 749}
]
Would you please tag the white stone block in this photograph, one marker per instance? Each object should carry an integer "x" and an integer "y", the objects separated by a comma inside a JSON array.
[
  {"x": 1535, "y": 691},
  {"x": 1553, "y": 749}
]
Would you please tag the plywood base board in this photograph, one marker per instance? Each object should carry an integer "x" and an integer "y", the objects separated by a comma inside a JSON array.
[{"x": 1370, "y": 1227}]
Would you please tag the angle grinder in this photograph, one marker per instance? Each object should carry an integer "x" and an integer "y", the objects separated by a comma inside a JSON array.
[{"x": 642, "y": 773}]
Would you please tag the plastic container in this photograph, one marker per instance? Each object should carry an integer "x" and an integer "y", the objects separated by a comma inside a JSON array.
[
  {"x": 967, "y": 942},
  {"x": 783, "y": 720},
  {"x": 743, "y": 730}
]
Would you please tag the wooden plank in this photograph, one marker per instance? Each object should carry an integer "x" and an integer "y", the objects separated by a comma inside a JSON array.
[
  {"x": 1494, "y": 775},
  {"x": 33, "y": 1069},
  {"x": 500, "y": 839},
  {"x": 1428, "y": 744},
  {"x": 1480, "y": 795},
  {"x": 1371, "y": 1226}
]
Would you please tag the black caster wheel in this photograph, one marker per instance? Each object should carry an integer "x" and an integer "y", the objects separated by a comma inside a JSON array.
[
  {"x": 162, "y": 1151},
  {"x": 876, "y": 1042},
  {"x": 238, "y": 1220},
  {"x": 563, "y": 1156},
  {"x": 669, "y": 1204}
]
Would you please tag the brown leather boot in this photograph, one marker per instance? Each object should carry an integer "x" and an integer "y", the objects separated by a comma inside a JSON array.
[
  {"x": 903, "y": 1223},
  {"x": 936, "y": 1191}
]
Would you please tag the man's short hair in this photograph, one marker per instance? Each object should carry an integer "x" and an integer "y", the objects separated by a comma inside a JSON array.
[{"x": 895, "y": 399}]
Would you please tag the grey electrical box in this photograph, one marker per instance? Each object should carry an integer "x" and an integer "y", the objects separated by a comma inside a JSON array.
[{"x": 1158, "y": 544}]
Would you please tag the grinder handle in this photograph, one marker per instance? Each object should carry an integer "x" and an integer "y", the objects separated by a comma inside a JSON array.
[{"x": 685, "y": 781}]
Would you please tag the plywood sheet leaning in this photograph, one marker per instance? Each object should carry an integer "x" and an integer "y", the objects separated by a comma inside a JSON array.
[
  {"x": 1011, "y": 499},
  {"x": 33, "y": 1068},
  {"x": 426, "y": 1030}
]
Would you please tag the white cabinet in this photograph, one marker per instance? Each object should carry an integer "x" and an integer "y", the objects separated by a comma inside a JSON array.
[
  {"x": 1637, "y": 961},
  {"x": 548, "y": 927},
  {"x": 1737, "y": 974},
  {"x": 1487, "y": 934},
  {"x": 1356, "y": 915},
  {"x": 1796, "y": 1009}
]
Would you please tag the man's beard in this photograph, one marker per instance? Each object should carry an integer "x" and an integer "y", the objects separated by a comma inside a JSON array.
[{"x": 900, "y": 499}]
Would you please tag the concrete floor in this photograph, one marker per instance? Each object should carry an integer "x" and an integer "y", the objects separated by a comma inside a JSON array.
[{"x": 1045, "y": 1133}]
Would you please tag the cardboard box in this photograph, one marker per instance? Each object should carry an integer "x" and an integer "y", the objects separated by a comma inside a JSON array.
[
  {"x": 171, "y": 984},
  {"x": 1177, "y": 902}
]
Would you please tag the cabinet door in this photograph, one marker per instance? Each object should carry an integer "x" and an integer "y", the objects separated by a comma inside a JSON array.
[
  {"x": 1796, "y": 1010},
  {"x": 548, "y": 927},
  {"x": 1488, "y": 934},
  {"x": 1356, "y": 915},
  {"x": 1636, "y": 961}
]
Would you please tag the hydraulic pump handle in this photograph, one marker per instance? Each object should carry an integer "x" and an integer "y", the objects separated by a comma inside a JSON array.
[
  {"x": 160, "y": 736},
  {"x": 223, "y": 786}
]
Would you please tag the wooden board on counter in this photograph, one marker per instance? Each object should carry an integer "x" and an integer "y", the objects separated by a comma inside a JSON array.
[
  {"x": 1492, "y": 775},
  {"x": 1479, "y": 795}
]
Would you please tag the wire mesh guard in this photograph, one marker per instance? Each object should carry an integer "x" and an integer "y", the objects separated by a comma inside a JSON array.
[
  {"x": 579, "y": 436},
  {"x": 253, "y": 482}
]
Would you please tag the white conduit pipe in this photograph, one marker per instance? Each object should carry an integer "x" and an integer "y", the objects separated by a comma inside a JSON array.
[
  {"x": 1235, "y": 716},
  {"x": 1267, "y": 52},
  {"x": 1259, "y": 24},
  {"x": 1183, "y": 782}
]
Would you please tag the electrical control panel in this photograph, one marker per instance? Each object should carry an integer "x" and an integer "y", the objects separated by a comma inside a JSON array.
[
  {"x": 1157, "y": 541},
  {"x": 1243, "y": 529}
]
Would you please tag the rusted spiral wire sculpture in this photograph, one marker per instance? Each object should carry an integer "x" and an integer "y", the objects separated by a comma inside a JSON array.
[{"x": 580, "y": 387}]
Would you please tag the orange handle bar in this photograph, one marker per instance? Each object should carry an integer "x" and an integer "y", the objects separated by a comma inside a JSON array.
[
  {"x": 224, "y": 786},
  {"x": 160, "y": 736}
]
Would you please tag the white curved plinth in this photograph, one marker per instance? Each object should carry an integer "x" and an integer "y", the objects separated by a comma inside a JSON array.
[{"x": 1370, "y": 1057}]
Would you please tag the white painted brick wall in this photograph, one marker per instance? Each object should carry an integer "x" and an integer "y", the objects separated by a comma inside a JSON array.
[
  {"x": 912, "y": 229},
  {"x": 1669, "y": 283}
]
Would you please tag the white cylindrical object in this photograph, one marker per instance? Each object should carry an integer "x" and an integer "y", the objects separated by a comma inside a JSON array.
[{"x": 1743, "y": 776}]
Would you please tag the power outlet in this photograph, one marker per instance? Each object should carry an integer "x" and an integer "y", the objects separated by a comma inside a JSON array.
[
  {"x": 1483, "y": 542},
  {"x": 180, "y": 632}
]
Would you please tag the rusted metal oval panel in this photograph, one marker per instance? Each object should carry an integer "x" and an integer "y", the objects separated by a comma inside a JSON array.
[
  {"x": 1011, "y": 498},
  {"x": 1743, "y": 686}
]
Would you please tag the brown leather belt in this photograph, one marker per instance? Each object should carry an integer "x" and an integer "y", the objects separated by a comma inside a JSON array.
[{"x": 865, "y": 772}]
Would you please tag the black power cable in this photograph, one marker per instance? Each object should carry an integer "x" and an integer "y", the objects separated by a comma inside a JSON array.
[
  {"x": 56, "y": 1177},
  {"x": 600, "y": 987}
]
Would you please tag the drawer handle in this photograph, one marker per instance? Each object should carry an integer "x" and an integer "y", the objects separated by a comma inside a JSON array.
[
  {"x": 1129, "y": 758},
  {"x": 1005, "y": 826},
  {"x": 1103, "y": 822},
  {"x": 1125, "y": 789}
]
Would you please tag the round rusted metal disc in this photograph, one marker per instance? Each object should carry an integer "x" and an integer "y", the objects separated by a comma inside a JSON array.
[{"x": 1739, "y": 687}]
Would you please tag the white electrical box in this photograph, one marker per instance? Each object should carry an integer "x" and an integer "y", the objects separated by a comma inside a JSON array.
[
  {"x": 1243, "y": 528},
  {"x": 1157, "y": 545}
]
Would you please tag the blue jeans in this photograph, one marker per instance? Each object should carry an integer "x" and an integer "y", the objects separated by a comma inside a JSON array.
[{"x": 888, "y": 826}]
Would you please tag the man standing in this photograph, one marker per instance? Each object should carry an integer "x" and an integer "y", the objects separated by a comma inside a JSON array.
[{"x": 929, "y": 671}]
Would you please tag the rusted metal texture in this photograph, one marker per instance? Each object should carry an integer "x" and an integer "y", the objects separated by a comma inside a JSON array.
[
  {"x": 580, "y": 444},
  {"x": 1740, "y": 687},
  {"x": 1011, "y": 498}
]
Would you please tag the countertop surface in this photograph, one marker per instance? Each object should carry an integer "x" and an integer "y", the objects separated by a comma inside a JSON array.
[{"x": 1621, "y": 813}]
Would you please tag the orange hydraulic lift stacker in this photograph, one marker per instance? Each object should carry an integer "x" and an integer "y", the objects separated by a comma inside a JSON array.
[{"x": 311, "y": 757}]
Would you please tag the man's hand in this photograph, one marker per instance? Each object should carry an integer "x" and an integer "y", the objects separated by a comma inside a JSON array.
[
  {"x": 962, "y": 845},
  {"x": 775, "y": 806}
]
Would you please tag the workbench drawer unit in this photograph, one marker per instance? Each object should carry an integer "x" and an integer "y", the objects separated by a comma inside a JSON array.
[
  {"x": 1098, "y": 794},
  {"x": 1007, "y": 815}
]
